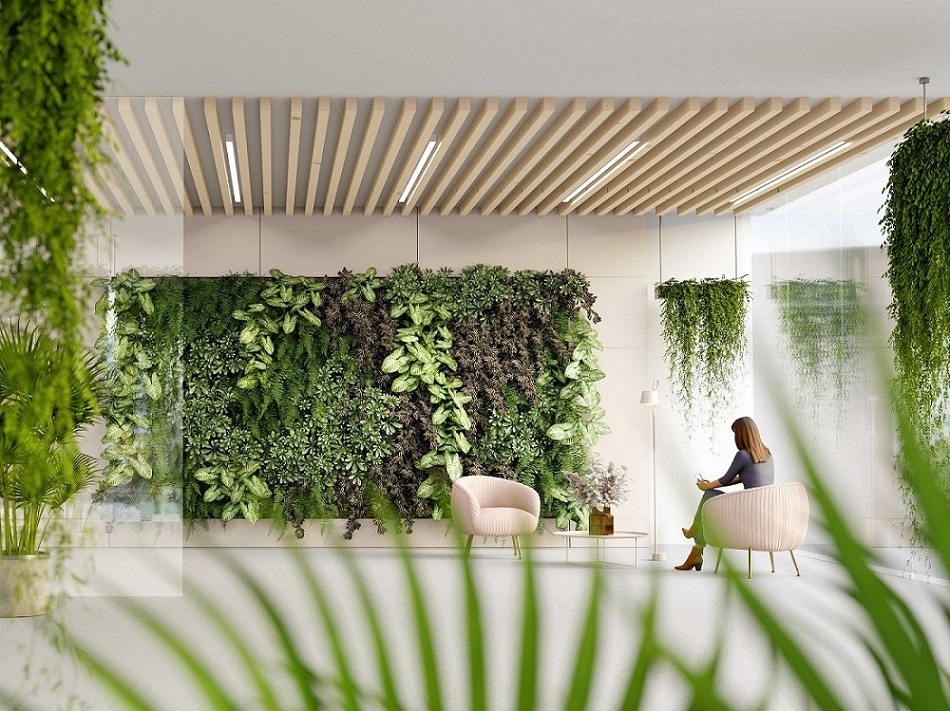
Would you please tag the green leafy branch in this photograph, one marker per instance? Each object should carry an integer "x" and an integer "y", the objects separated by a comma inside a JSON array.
[
  {"x": 244, "y": 492},
  {"x": 284, "y": 302},
  {"x": 586, "y": 421}
]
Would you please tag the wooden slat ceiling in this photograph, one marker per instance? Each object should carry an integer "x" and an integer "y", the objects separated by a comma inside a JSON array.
[{"x": 506, "y": 156}]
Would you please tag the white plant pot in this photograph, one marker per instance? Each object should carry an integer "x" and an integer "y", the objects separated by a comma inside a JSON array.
[{"x": 24, "y": 584}]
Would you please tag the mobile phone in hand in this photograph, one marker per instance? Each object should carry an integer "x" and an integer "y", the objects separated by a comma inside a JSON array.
[{"x": 699, "y": 477}]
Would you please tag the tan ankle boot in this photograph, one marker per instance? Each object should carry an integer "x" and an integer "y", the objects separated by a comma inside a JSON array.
[{"x": 693, "y": 560}]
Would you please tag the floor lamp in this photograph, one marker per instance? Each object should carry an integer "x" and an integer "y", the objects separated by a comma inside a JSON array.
[{"x": 651, "y": 399}]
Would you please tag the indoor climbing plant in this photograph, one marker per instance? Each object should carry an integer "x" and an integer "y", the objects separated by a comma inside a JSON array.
[
  {"x": 703, "y": 324},
  {"x": 53, "y": 69},
  {"x": 824, "y": 328},
  {"x": 917, "y": 243}
]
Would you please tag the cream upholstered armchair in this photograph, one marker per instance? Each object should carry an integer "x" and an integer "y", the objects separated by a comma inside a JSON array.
[
  {"x": 492, "y": 506},
  {"x": 767, "y": 518}
]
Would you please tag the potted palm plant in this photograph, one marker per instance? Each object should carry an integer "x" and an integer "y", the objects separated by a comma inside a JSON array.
[{"x": 46, "y": 398}]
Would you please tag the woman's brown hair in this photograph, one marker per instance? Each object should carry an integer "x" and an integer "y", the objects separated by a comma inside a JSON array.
[{"x": 749, "y": 439}]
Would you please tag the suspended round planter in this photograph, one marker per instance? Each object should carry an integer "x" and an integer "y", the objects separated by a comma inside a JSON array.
[{"x": 24, "y": 584}]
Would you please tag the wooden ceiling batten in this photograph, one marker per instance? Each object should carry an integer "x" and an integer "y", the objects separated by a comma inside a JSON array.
[
  {"x": 377, "y": 110},
  {"x": 446, "y": 137},
  {"x": 720, "y": 180},
  {"x": 496, "y": 155},
  {"x": 217, "y": 151},
  {"x": 874, "y": 136},
  {"x": 681, "y": 159},
  {"x": 172, "y": 159},
  {"x": 759, "y": 116},
  {"x": 128, "y": 167},
  {"x": 240, "y": 149},
  {"x": 652, "y": 139},
  {"x": 660, "y": 150},
  {"x": 525, "y": 133},
  {"x": 110, "y": 181},
  {"x": 396, "y": 138},
  {"x": 460, "y": 154},
  {"x": 423, "y": 135},
  {"x": 293, "y": 153},
  {"x": 600, "y": 143},
  {"x": 134, "y": 129},
  {"x": 351, "y": 108},
  {"x": 194, "y": 164},
  {"x": 789, "y": 154},
  {"x": 316, "y": 155},
  {"x": 588, "y": 123},
  {"x": 529, "y": 158},
  {"x": 267, "y": 184},
  {"x": 721, "y": 160},
  {"x": 819, "y": 138},
  {"x": 96, "y": 188},
  {"x": 516, "y": 111}
]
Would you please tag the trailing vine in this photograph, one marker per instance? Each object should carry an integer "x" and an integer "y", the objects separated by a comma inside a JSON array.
[
  {"x": 824, "y": 326},
  {"x": 53, "y": 60},
  {"x": 917, "y": 242},
  {"x": 703, "y": 323}
]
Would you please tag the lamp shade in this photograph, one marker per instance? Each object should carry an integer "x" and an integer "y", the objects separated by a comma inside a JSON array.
[{"x": 651, "y": 398}]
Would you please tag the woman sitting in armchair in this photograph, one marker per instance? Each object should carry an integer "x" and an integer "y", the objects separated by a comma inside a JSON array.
[{"x": 752, "y": 466}]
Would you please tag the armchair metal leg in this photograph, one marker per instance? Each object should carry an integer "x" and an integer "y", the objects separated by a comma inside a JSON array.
[
  {"x": 516, "y": 544},
  {"x": 718, "y": 560},
  {"x": 468, "y": 545},
  {"x": 795, "y": 562},
  {"x": 749, "y": 577},
  {"x": 772, "y": 560}
]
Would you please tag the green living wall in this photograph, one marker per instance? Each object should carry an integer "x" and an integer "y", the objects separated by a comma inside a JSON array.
[{"x": 295, "y": 397}]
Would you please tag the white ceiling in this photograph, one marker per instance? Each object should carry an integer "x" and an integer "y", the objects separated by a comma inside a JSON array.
[
  {"x": 823, "y": 57},
  {"x": 561, "y": 48}
]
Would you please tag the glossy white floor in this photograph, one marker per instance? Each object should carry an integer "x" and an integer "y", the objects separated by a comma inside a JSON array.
[{"x": 695, "y": 611}]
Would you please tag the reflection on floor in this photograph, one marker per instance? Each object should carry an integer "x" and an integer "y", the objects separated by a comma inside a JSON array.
[{"x": 695, "y": 611}]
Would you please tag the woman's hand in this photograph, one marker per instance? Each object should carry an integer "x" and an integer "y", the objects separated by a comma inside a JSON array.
[{"x": 704, "y": 485}]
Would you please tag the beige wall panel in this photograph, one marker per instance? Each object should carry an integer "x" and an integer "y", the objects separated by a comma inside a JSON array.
[
  {"x": 153, "y": 245},
  {"x": 698, "y": 247},
  {"x": 629, "y": 440},
  {"x": 513, "y": 242},
  {"x": 321, "y": 245},
  {"x": 610, "y": 246},
  {"x": 621, "y": 305},
  {"x": 95, "y": 258},
  {"x": 219, "y": 245}
]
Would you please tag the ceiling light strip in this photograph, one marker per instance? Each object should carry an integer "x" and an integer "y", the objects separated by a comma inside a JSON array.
[
  {"x": 606, "y": 171},
  {"x": 432, "y": 147},
  {"x": 232, "y": 168},
  {"x": 792, "y": 171}
]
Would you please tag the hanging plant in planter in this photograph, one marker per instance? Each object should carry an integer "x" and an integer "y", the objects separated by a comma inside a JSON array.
[
  {"x": 824, "y": 327},
  {"x": 916, "y": 224},
  {"x": 704, "y": 333}
]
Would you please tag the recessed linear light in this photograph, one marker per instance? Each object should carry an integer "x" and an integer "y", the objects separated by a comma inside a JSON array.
[
  {"x": 606, "y": 172},
  {"x": 13, "y": 159},
  {"x": 432, "y": 147},
  {"x": 232, "y": 168},
  {"x": 838, "y": 147}
]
